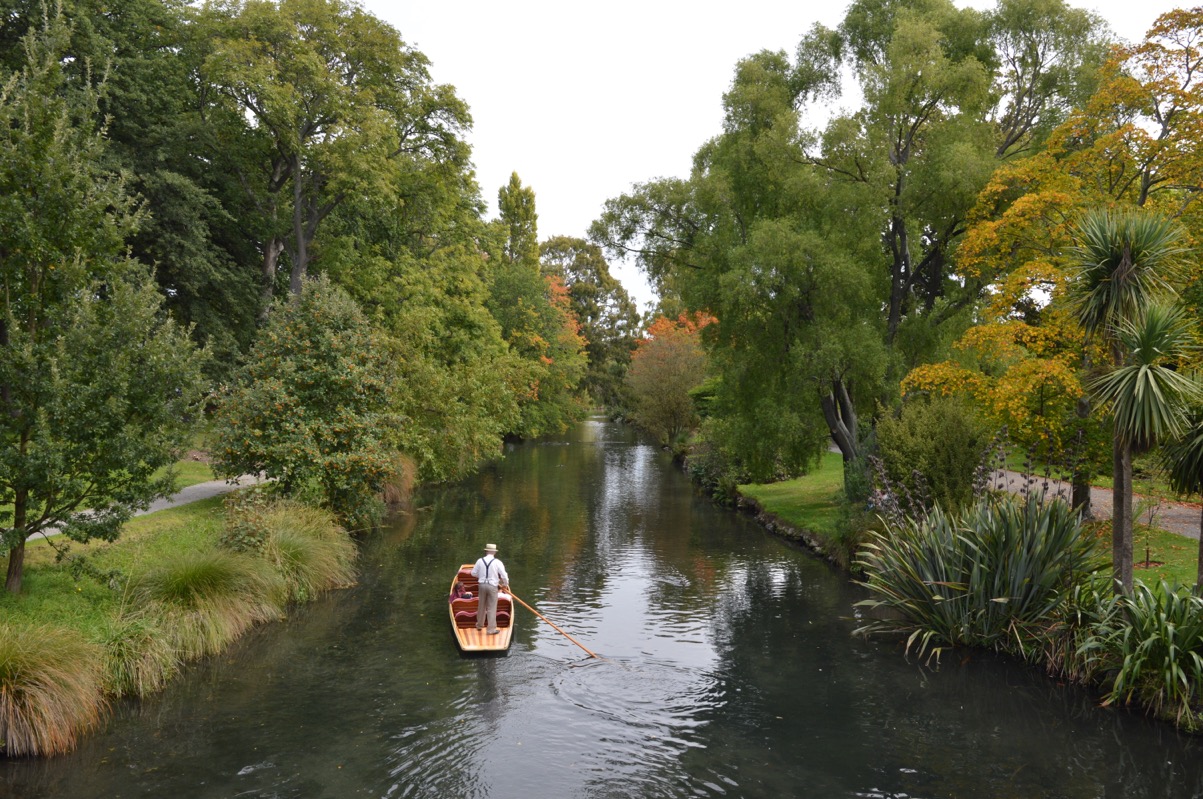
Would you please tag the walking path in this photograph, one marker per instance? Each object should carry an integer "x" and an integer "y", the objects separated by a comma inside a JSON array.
[
  {"x": 199, "y": 491},
  {"x": 1177, "y": 517},
  {"x": 187, "y": 494}
]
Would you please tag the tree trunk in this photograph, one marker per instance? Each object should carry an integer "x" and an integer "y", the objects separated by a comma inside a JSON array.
[
  {"x": 841, "y": 420},
  {"x": 1079, "y": 470},
  {"x": 1121, "y": 517},
  {"x": 16, "y": 565},
  {"x": 300, "y": 259},
  {"x": 271, "y": 256},
  {"x": 16, "y": 555},
  {"x": 1199, "y": 575}
]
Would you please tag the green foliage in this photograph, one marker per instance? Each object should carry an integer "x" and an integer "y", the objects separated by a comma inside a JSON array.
[
  {"x": 1126, "y": 258},
  {"x": 933, "y": 450},
  {"x": 50, "y": 689},
  {"x": 208, "y": 599},
  {"x": 1153, "y": 640},
  {"x": 96, "y": 383},
  {"x": 536, "y": 321},
  {"x": 609, "y": 321},
  {"x": 313, "y": 407},
  {"x": 328, "y": 104},
  {"x": 995, "y": 576},
  {"x": 1148, "y": 396},
  {"x": 713, "y": 469}
]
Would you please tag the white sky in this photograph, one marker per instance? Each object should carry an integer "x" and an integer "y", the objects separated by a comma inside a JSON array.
[{"x": 583, "y": 100}]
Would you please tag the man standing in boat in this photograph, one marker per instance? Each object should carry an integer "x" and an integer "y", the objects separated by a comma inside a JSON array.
[{"x": 490, "y": 573}]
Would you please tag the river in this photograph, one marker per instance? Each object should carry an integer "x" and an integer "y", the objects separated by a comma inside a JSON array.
[{"x": 728, "y": 669}]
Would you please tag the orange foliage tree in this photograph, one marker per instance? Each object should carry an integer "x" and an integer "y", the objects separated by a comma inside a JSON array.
[
  {"x": 667, "y": 364},
  {"x": 1137, "y": 141}
]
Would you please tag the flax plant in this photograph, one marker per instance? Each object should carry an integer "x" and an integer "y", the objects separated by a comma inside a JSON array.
[
  {"x": 998, "y": 576},
  {"x": 1154, "y": 644},
  {"x": 50, "y": 689}
]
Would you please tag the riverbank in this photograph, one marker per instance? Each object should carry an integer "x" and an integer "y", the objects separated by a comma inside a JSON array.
[
  {"x": 1136, "y": 648},
  {"x": 121, "y": 619}
]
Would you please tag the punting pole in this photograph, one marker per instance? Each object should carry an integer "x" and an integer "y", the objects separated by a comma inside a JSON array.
[{"x": 557, "y": 629}]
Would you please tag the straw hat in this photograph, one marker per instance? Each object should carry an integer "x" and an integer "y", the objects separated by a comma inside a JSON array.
[{"x": 490, "y": 547}]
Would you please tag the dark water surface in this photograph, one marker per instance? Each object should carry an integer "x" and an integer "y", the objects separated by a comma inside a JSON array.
[{"x": 729, "y": 671}]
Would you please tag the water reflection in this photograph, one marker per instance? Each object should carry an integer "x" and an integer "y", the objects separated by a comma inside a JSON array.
[{"x": 729, "y": 670}]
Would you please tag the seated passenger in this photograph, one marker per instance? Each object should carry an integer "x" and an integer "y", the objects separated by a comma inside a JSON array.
[{"x": 459, "y": 592}]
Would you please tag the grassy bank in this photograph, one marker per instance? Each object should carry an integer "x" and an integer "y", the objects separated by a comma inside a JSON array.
[
  {"x": 121, "y": 618},
  {"x": 813, "y": 502}
]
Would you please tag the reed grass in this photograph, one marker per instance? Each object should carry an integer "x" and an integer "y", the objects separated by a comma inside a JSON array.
[
  {"x": 208, "y": 599},
  {"x": 50, "y": 689}
]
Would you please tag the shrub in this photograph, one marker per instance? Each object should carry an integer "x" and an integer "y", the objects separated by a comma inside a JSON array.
[
  {"x": 933, "y": 450},
  {"x": 997, "y": 576},
  {"x": 1154, "y": 644},
  {"x": 313, "y": 407},
  {"x": 712, "y": 469},
  {"x": 50, "y": 689},
  {"x": 208, "y": 599}
]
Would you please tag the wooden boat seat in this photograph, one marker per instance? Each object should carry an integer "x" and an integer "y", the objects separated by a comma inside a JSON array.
[{"x": 465, "y": 613}]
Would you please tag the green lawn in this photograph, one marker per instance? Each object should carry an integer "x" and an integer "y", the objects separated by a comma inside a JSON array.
[
  {"x": 812, "y": 502},
  {"x": 50, "y": 595},
  {"x": 190, "y": 472}
]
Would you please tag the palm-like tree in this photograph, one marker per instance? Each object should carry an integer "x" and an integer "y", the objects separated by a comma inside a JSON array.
[
  {"x": 1126, "y": 260},
  {"x": 1182, "y": 460}
]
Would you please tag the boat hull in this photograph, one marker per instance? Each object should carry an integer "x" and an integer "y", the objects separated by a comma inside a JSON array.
[{"x": 463, "y": 617}]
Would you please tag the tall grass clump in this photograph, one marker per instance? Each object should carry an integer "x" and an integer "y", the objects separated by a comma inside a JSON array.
[
  {"x": 205, "y": 600},
  {"x": 308, "y": 548},
  {"x": 1001, "y": 575},
  {"x": 50, "y": 689},
  {"x": 305, "y": 545},
  {"x": 139, "y": 654},
  {"x": 1152, "y": 644}
]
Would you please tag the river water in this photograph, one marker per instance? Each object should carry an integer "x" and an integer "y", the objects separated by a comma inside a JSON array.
[{"x": 729, "y": 670}]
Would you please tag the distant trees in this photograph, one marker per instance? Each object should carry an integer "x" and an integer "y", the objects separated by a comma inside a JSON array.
[
  {"x": 667, "y": 366},
  {"x": 608, "y": 318},
  {"x": 536, "y": 320}
]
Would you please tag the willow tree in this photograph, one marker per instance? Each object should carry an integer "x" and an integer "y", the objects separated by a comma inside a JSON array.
[{"x": 829, "y": 257}]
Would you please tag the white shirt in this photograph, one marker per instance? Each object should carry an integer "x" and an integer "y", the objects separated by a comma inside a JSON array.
[{"x": 490, "y": 570}]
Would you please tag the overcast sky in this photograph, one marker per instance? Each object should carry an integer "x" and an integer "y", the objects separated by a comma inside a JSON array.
[{"x": 583, "y": 100}]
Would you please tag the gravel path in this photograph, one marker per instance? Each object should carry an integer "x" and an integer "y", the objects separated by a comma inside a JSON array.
[
  {"x": 192, "y": 493},
  {"x": 1177, "y": 517}
]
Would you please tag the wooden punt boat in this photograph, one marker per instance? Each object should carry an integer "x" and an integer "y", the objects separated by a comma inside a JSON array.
[{"x": 463, "y": 617}]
